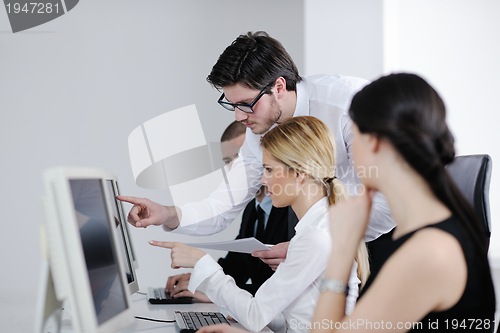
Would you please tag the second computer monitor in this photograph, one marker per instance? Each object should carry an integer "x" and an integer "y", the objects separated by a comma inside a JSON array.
[{"x": 123, "y": 234}]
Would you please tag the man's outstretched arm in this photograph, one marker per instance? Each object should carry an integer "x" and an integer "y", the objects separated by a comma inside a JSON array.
[
  {"x": 146, "y": 212},
  {"x": 210, "y": 215}
]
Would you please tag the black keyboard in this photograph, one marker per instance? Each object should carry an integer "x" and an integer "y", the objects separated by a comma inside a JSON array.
[
  {"x": 190, "y": 322},
  {"x": 158, "y": 296}
]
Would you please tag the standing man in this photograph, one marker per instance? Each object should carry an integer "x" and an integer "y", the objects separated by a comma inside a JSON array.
[{"x": 262, "y": 86}]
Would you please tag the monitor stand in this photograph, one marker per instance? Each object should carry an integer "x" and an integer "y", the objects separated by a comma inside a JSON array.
[{"x": 48, "y": 307}]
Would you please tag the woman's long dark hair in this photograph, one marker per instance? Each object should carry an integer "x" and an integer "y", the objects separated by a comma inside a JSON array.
[{"x": 407, "y": 111}]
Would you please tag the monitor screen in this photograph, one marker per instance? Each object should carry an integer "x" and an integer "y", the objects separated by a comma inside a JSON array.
[{"x": 100, "y": 257}]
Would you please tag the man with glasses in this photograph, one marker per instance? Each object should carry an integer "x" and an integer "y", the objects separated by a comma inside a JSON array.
[{"x": 262, "y": 85}]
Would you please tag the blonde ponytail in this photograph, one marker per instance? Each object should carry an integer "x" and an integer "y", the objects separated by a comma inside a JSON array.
[
  {"x": 363, "y": 263},
  {"x": 338, "y": 192}
]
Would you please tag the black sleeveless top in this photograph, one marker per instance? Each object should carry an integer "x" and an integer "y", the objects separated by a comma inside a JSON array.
[{"x": 475, "y": 310}]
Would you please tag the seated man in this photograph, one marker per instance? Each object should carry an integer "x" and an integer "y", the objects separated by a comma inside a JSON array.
[{"x": 260, "y": 220}]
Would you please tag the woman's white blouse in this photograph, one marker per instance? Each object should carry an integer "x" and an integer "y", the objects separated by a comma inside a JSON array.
[{"x": 292, "y": 291}]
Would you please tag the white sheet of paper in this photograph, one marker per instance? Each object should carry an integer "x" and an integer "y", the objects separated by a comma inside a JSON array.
[{"x": 245, "y": 245}]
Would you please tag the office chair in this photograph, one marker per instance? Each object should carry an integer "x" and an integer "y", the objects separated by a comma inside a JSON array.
[{"x": 472, "y": 174}]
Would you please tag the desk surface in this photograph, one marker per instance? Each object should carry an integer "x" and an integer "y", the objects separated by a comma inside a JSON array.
[{"x": 142, "y": 308}]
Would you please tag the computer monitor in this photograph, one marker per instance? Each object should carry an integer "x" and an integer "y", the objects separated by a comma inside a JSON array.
[
  {"x": 86, "y": 264},
  {"x": 123, "y": 233}
]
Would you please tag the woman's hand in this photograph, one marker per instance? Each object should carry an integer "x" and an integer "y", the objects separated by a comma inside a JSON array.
[
  {"x": 182, "y": 255},
  {"x": 350, "y": 218},
  {"x": 177, "y": 286}
]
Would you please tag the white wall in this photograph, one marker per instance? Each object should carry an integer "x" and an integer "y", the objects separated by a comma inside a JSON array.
[
  {"x": 453, "y": 44},
  {"x": 73, "y": 89},
  {"x": 344, "y": 37}
]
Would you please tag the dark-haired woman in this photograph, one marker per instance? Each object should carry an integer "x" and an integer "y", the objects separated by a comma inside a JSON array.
[{"x": 434, "y": 274}]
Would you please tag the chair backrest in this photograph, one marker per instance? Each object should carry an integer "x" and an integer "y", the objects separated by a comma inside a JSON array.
[{"x": 472, "y": 174}]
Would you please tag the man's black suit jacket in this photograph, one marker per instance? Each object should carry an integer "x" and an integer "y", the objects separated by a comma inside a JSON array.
[{"x": 242, "y": 266}]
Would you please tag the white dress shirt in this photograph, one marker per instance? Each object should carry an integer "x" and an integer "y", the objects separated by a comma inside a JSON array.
[
  {"x": 326, "y": 97},
  {"x": 292, "y": 291}
]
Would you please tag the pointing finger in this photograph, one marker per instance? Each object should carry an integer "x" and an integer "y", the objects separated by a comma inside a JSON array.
[
  {"x": 132, "y": 200},
  {"x": 167, "y": 245}
]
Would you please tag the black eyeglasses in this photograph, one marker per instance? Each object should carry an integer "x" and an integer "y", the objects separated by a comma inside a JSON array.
[{"x": 247, "y": 108}]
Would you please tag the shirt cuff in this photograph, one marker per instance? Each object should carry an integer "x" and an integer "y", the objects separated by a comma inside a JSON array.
[
  {"x": 165, "y": 228},
  {"x": 204, "y": 268},
  {"x": 187, "y": 215}
]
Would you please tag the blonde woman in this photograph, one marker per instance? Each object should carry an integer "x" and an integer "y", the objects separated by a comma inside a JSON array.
[{"x": 299, "y": 164}]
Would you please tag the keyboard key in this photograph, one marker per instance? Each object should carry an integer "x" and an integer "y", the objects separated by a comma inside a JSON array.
[{"x": 193, "y": 321}]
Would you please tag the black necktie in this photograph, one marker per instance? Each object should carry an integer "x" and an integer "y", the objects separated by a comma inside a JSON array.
[{"x": 260, "y": 224}]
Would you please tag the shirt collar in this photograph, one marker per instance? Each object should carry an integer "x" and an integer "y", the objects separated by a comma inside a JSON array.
[
  {"x": 266, "y": 204},
  {"x": 313, "y": 215},
  {"x": 302, "y": 105}
]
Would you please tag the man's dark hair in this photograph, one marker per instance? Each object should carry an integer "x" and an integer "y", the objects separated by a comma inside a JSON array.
[
  {"x": 234, "y": 130},
  {"x": 255, "y": 61}
]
